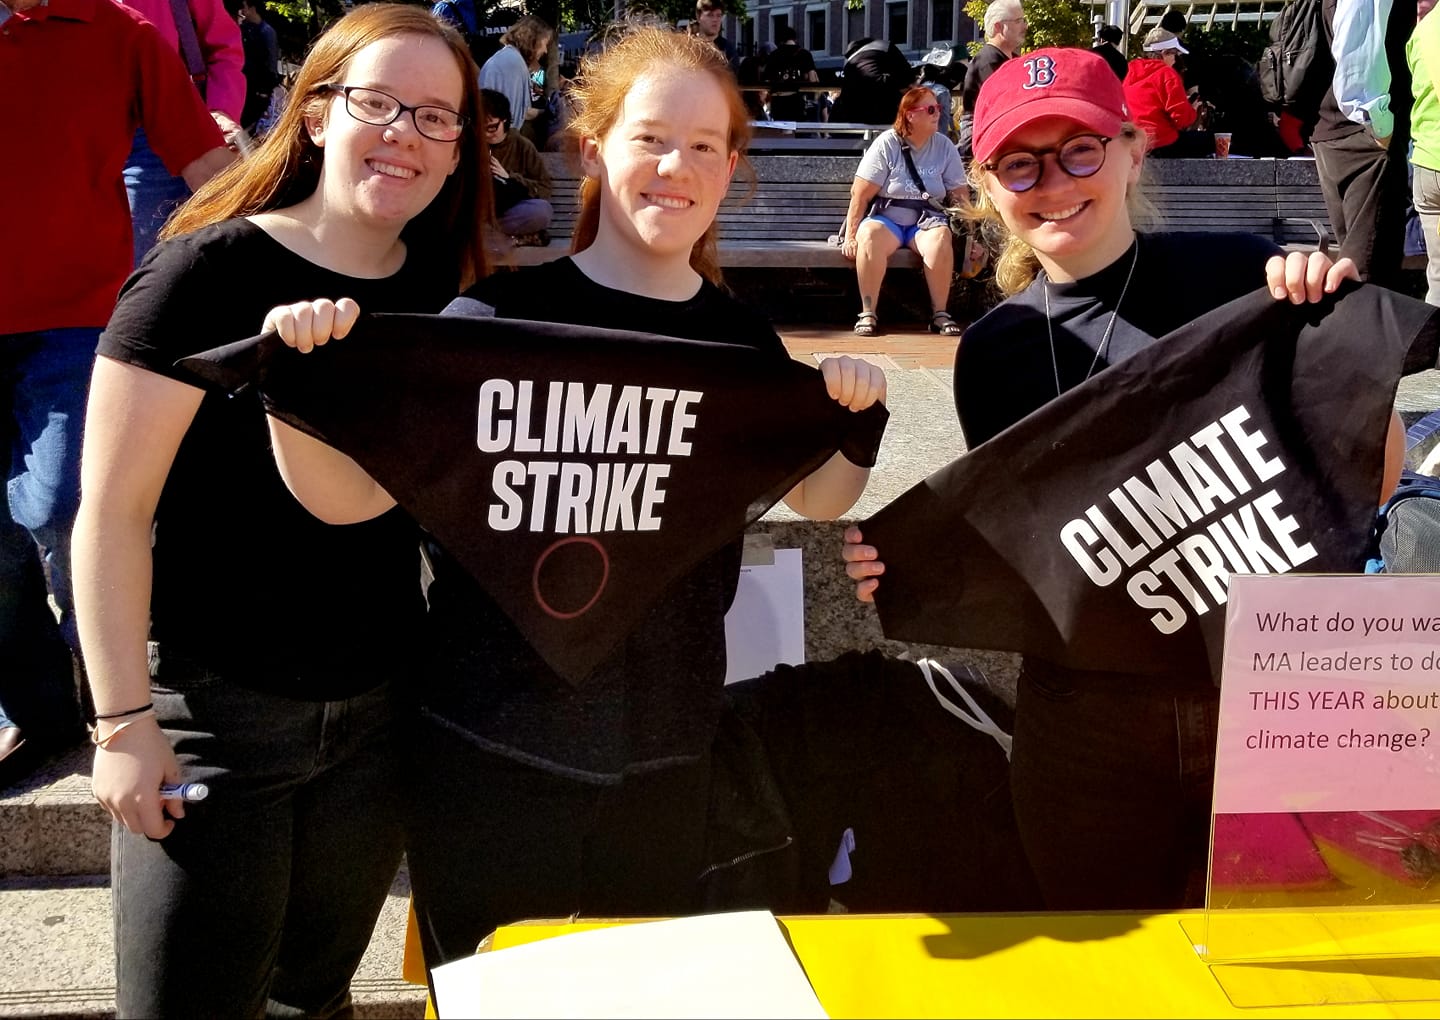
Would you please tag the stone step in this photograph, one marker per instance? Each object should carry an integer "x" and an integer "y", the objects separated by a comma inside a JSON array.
[
  {"x": 57, "y": 955},
  {"x": 51, "y": 825}
]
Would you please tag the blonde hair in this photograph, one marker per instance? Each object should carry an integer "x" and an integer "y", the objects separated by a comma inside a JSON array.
[
  {"x": 1017, "y": 265},
  {"x": 285, "y": 169},
  {"x": 529, "y": 35},
  {"x": 600, "y": 90}
]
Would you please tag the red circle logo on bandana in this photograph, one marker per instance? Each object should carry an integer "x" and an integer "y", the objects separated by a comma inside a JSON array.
[{"x": 570, "y": 576}]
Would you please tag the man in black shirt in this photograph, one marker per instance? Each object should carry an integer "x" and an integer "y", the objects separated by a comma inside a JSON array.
[
  {"x": 262, "y": 61},
  {"x": 789, "y": 66},
  {"x": 1107, "y": 44},
  {"x": 1004, "y": 34},
  {"x": 709, "y": 16}
]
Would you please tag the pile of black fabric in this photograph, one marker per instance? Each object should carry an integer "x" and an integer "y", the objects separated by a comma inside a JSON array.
[{"x": 861, "y": 743}]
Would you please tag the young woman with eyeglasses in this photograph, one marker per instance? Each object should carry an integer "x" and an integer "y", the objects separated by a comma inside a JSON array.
[
  {"x": 273, "y": 639},
  {"x": 891, "y": 209},
  {"x": 1110, "y": 772}
]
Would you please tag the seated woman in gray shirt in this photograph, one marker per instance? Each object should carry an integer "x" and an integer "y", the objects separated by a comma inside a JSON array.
[{"x": 908, "y": 172}]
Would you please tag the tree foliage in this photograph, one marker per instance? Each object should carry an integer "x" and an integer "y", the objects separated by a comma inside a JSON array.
[
  {"x": 1051, "y": 23},
  {"x": 574, "y": 14},
  {"x": 298, "y": 22},
  {"x": 1244, "y": 41}
]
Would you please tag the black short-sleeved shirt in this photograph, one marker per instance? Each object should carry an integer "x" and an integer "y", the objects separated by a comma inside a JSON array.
[
  {"x": 655, "y": 700},
  {"x": 1003, "y": 365},
  {"x": 984, "y": 64},
  {"x": 246, "y": 581},
  {"x": 788, "y": 68}
]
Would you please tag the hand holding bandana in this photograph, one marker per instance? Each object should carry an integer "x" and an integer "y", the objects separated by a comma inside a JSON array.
[
  {"x": 1100, "y": 531},
  {"x": 574, "y": 472}
]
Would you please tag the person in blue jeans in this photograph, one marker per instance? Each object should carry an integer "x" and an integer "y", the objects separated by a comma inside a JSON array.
[
  {"x": 46, "y": 372},
  {"x": 104, "y": 72},
  {"x": 210, "y": 40}
]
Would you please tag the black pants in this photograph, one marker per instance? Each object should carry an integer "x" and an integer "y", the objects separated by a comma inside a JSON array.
[
  {"x": 263, "y": 898},
  {"x": 1111, "y": 778},
  {"x": 493, "y": 841},
  {"x": 1366, "y": 188},
  {"x": 256, "y": 103}
]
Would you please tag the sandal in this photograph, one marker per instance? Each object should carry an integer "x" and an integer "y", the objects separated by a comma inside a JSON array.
[
  {"x": 866, "y": 324},
  {"x": 942, "y": 323}
]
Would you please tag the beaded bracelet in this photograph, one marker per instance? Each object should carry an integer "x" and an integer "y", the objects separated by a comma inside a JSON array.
[{"x": 120, "y": 715}]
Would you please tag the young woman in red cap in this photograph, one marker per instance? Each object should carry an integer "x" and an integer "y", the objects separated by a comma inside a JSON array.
[{"x": 1110, "y": 773}]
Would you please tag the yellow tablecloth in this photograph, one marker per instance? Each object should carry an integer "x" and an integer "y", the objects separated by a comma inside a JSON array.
[{"x": 1074, "y": 965}]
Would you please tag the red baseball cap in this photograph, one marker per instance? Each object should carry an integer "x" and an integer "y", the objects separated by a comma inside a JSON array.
[{"x": 1055, "y": 82}]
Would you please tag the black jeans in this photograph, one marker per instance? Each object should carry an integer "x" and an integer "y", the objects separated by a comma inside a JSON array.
[
  {"x": 1366, "y": 189},
  {"x": 263, "y": 898},
  {"x": 1111, "y": 778},
  {"x": 493, "y": 841}
]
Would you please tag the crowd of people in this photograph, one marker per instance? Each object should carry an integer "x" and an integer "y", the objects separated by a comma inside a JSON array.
[{"x": 247, "y": 599}]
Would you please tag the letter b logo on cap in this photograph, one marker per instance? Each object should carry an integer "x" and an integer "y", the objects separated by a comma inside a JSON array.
[{"x": 1042, "y": 71}]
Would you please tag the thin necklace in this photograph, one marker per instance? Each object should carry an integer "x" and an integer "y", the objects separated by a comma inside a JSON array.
[{"x": 1105, "y": 338}]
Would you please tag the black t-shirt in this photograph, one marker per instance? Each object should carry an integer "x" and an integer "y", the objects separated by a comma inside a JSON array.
[
  {"x": 986, "y": 63},
  {"x": 655, "y": 700},
  {"x": 246, "y": 581},
  {"x": 1117, "y": 61},
  {"x": 1004, "y": 367},
  {"x": 788, "y": 68}
]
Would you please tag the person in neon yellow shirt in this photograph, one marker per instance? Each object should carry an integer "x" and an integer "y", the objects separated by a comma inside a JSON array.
[{"x": 1422, "y": 53}]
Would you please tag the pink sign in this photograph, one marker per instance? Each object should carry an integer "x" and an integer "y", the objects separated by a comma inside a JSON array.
[{"x": 1330, "y": 696}]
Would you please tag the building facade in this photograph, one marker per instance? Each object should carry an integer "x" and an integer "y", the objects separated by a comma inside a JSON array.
[{"x": 827, "y": 27}]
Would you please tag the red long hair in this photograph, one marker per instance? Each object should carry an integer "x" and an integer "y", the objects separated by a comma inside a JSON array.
[{"x": 600, "y": 89}]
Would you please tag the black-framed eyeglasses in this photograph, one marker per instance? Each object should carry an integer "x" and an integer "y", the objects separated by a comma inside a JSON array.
[
  {"x": 371, "y": 106},
  {"x": 1078, "y": 156}
]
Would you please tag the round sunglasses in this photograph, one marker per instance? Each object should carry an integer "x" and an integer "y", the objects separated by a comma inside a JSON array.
[{"x": 1078, "y": 156}]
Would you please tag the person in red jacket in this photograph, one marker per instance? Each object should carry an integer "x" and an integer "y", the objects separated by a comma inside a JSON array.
[{"x": 1155, "y": 92}]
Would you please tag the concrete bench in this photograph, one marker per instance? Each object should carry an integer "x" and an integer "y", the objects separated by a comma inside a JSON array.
[
  {"x": 1279, "y": 199},
  {"x": 797, "y": 202}
]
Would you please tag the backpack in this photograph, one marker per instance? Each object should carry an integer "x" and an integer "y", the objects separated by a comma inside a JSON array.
[
  {"x": 1406, "y": 536},
  {"x": 1297, "y": 67},
  {"x": 1406, "y": 539}
]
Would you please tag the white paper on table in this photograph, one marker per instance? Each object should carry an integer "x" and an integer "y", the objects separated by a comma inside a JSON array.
[
  {"x": 714, "y": 965},
  {"x": 766, "y": 622}
]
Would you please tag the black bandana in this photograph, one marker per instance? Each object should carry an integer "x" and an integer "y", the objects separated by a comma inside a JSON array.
[
  {"x": 573, "y": 472},
  {"x": 1100, "y": 531}
]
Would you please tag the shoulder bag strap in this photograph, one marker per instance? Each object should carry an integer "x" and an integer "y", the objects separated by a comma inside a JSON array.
[
  {"x": 189, "y": 43},
  {"x": 937, "y": 205}
]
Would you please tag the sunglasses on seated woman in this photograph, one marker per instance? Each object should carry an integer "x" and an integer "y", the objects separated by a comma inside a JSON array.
[
  {"x": 927, "y": 108},
  {"x": 1078, "y": 156}
]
